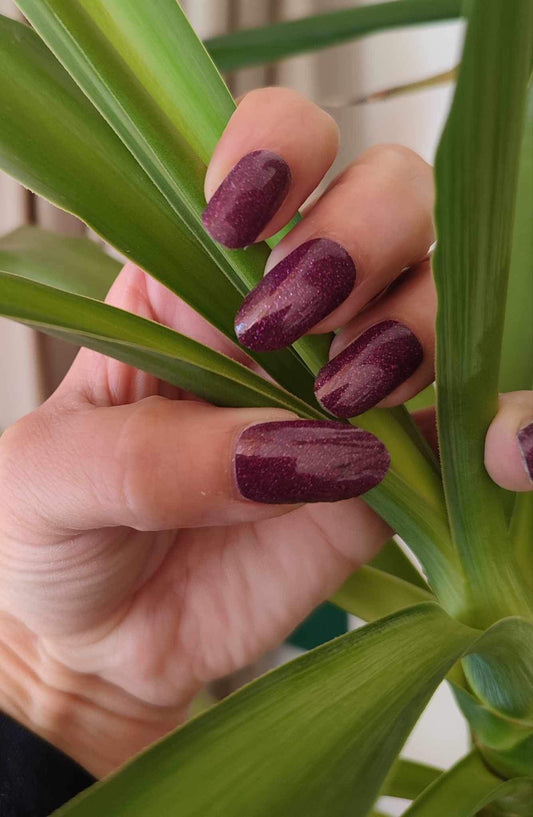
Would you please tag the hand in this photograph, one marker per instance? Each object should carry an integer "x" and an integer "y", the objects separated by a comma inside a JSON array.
[{"x": 150, "y": 543}]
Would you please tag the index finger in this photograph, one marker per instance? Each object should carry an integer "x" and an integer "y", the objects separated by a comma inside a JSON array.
[{"x": 274, "y": 152}]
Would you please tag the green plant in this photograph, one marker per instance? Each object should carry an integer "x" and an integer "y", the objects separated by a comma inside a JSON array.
[{"x": 127, "y": 114}]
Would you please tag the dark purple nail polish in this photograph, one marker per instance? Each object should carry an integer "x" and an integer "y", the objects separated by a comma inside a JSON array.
[
  {"x": 301, "y": 290},
  {"x": 369, "y": 369},
  {"x": 247, "y": 199},
  {"x": 307, "y": 461},
  {"x": 525, "y": 441}
]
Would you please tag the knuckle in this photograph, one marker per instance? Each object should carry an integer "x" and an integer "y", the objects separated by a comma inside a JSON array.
[
  {"x": 398, "y": 157},
  {"x": 137, "y": 462}
]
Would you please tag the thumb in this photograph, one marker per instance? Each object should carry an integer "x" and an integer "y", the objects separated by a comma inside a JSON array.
[
  {"x": 509, "y": 442},
  {"x": 161, "y": 464}
]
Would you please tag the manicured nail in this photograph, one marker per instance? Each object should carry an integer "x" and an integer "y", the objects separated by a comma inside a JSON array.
[
  {"x": 525, "y": 441},
  {"x": 298, "y": 293},
  {"x": 247, "y": 199},
  {"x": 369, "y": 369},
  {"x": 307, "y": 461}
]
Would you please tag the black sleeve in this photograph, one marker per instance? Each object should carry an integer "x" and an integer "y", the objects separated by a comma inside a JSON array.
[{"x": 35, "y": 778}]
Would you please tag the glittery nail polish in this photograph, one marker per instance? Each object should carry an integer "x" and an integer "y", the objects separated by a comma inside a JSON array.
[
  {"x": 525, "y": 441},
  {"x": 307, "y": 461},
  {"x": 312, "y": 281},
  {"x": 369, "y": 369},
  {"x": 247, "y": 199}
]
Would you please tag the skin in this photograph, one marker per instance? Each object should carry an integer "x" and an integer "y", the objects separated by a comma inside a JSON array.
[{"x": 131, "y": 571}]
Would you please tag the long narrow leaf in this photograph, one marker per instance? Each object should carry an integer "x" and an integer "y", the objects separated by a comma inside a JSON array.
[
  {"x": 477, "y": 168},
  {"x": 200, "y": 283},
  {"x": 142, "y": 343},
  {"x": 468, "y": 787},
  {"x": 506, "y": 745},
  {"x": 393, "y": 560},
  {"x": 516, "y": 370},
  {"x": 274, "y": 42},
  {"x": 371, "y": 594},
  {"x": 73, "y": 264},
  {"x": 56, "y": 143},
  {"x": 408, "y": 779},
  {"x": 316, "y": 736}
]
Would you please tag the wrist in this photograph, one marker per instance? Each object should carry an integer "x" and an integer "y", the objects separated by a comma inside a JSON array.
[{"x": 96, "y": 723}]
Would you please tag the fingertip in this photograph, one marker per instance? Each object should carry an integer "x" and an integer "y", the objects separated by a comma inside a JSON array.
[
  {"x": 274, "y": 151},
  {"x": 509, "y": 443}
]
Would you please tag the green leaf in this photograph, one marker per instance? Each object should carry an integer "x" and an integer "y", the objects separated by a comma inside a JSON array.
[
  {"x": 506, "y": 745},
  {"x": 316, "y": 736},
  {"x": 393, "y": 560},
  {"x": 468, "y": 787},
  {"x": 105, "y": 47},
  {"x": 408, "y": 779},
  {"x": 500, "y": 671},
  {"x": 370, "y": 594},
  {"x": 55, "y": 142},
  {"x": 516, "y": 369},
  {"x": 76, "y": 265},
  {"x": 142, "y": 343},
  {"x": 477, "y": 169},
  {"x": 521, "y": 533},
  {"x": 169, "y": 112},
  {"x": 272, "y": 43}
]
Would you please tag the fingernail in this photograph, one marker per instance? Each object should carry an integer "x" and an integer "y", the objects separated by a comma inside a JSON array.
[
  {"x": 247, "y": 199},
  {"x": 298, "y": 293},
  {"x": 307, "y": 461},
  {"x": 369, "y": 369},
  {"x": 525, "y": 441}
]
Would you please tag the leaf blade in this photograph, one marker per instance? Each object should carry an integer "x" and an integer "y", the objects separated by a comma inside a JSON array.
[
  {"x": 142, "y": 343},
  {"x": 371, "y": 594},
  {"x": 466, "y": 788},
  {"x": 72, "y": 157},
  {"x": 476, "y": 170},
  {"x": 271, "y": 765},
  {"x": 271, "y": 43},
  {"x": 75, "y": 265}
]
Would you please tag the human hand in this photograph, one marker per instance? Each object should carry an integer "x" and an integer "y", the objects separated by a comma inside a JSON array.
[{"x": 144, "y": 549}]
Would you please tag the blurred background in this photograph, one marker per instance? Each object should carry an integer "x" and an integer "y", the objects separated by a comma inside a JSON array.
[{"x": 32, "y": 365}]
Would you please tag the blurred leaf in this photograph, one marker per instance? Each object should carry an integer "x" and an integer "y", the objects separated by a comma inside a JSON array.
[
  {"x": 466, "y": 788},
  {"x": 56, "y": 143},
  {"x": 142, "y": 343},
  {"x": 408, "y": 779},
  {"x": 370, "y": 594},
  {"x": 477, "y": 169},
  {"x": 316, "y": 736},
  {"x": 516, "y": 369},
  {"x": 76, "y": 265},
  {"x": 393, "y": 560},
  {"x": 272, "y": 43}
]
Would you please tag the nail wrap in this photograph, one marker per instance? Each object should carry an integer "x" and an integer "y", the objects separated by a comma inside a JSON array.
[
  {"x": 247, "y": 199},
  {"x": 307, "y": 461},
  {"x": 369, "y": 369},
  {"x": 296, "y": 294},
  {"x": 525, "y": 441}
]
